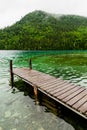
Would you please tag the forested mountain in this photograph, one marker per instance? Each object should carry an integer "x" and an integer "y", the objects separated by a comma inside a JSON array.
[{"x": 43, "y": 31}]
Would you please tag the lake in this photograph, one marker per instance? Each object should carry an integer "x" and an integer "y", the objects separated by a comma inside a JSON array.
[{"x": 18, "y": 110}]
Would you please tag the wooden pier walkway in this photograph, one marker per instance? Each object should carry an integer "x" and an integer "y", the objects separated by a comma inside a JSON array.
[{"x": 68, "y": 94}]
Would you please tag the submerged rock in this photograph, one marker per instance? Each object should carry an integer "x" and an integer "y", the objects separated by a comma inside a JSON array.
[
  {"x": 1, "y": 128},
  {"x": 14, "y": 129},
  {"x": 7, "y": 114},
  {"x": 41, "y": 128},
  {"x": 16, "y": 114},
  {"x": 16, "y": 121}
]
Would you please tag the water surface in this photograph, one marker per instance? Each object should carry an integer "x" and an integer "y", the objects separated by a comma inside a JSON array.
[{"x": 19, "y": 112}]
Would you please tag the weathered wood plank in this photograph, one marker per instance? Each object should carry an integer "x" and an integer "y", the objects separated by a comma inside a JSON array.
[
  {"x": 59, "y": 87},
  {"x": 74, "y": 94},
  {"x": 68, "y": 93},
  {"x": 67, "y": 89},
  {"x": 52, "y": 86},
  {"x": 78, "y": 97},
  {"x": 78, "y": 104},
  {"x": 83, "y": 108}
]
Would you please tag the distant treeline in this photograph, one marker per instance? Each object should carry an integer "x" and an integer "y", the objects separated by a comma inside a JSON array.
[{"x": 43, "y": 31}]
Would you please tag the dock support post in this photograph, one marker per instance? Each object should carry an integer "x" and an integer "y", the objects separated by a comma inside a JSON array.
[
  {"x": 11, "y": 73},
  {"x": 36, "y": 99},
  {"x": 30, "y": 64},
  {"x": 35, "y": 92}
]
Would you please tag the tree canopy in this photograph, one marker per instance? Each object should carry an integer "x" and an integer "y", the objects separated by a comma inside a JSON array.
[{"x": 44, "y": 31}]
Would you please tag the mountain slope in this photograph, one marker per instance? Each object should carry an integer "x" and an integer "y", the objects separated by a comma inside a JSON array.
[{"x": 43, "y": 31}]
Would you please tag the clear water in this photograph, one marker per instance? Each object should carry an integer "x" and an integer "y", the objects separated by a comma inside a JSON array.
[{"x": 19, "y": 112}]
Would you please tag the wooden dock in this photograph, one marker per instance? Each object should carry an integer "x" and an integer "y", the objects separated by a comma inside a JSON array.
[{"x": 68, "y": 94}]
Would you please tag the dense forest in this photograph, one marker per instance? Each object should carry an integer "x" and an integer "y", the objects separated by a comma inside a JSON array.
[{"x": 39, "y": 30}]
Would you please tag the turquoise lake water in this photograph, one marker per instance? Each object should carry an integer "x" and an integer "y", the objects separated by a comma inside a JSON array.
[{"x": 19, "y": 112}]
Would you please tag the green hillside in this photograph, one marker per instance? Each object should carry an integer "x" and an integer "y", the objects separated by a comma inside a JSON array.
[{"x": 43, "y": 31}]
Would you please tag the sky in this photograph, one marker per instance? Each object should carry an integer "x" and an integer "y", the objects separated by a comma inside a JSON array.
[{"x": 12, "y": 11}]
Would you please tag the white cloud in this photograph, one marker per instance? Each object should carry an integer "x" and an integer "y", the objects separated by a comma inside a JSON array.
[{"x": 11, "y": 11}]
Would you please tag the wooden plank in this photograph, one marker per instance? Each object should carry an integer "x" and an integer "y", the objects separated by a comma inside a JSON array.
[
  {"x": 32, "y": 75},
  {"x": 75, "y": 99},
  {"x": 54, "y": 88},
  {"x": 68, "y": 88},
  {"x": 47, "y": 83},
  {"x": 74, "y": 94},
  {"x": 83, "y": 108},
  {"x": 51, "y": 86},
  {"x": 68, "y": 93},
  {"x": 59, "y": 86},
  {"x": 28, "y": 76},
  {"x": 80, "y": 102},
  {"x": 28, "y": 72},
  {"x": 44, "y": 80},
  {"x": 39, "y": 78},
  {"x": 50, "y": 83},
  {"x": 40, "y": 82}
]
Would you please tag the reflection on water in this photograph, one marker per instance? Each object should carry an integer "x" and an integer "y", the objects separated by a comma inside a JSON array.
[
  {"x": 69, "y": 67},
  {"x": 19, "y": 112}
]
